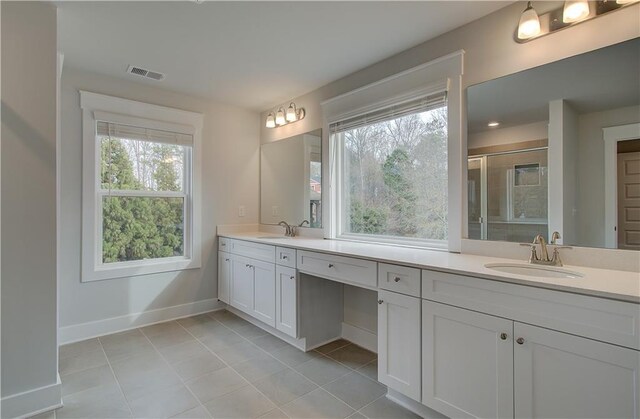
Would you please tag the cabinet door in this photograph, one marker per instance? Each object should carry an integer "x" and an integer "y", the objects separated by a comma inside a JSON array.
[
  {"x": 467, "y": 362},
  {"x": 264, "y": 292},
  {"x": 224, "y": 276},
  {"x": 242, "y": 284},
  {"x": 287, "y": 301},
  {"x": 399, "y": 343},
  {"x": 558, "y": 375}
]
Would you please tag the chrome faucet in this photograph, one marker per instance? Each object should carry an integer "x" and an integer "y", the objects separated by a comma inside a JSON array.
[
  {"x": 303, "y": 223},
  {"x": 289, "y": 231},
  {"x": 544, "y": 253}
]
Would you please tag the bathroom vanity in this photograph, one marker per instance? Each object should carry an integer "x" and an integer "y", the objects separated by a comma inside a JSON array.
[{"x": 454, "y": 335}]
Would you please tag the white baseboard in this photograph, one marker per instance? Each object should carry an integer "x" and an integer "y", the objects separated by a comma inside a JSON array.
[
  {"x": 33, "y": 402},
  {"x": 412, "y": 405},
  {"x": 82, "y": 331},
  {"x": 360, "y": 337},
  {"x": 298, "y": 343}
]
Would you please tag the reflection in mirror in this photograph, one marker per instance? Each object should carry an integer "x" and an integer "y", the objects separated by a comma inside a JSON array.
[
  {"x": 541, "y": 144},
  {"x": 291, "y": 180}
]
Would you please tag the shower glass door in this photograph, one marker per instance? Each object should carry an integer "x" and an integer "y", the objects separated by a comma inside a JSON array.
[{"x": 508, "y": 195}]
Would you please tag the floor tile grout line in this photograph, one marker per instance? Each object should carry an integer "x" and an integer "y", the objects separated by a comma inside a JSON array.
[
  {"x": 115, "y": 377},
  {"x": 173, "y": 369},
  {"x": 351, "y": 370},
  {"x": 229, "y": 366}
]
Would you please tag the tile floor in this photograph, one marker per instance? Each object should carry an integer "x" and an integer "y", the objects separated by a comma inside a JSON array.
[{"x": 217, "y": 365}]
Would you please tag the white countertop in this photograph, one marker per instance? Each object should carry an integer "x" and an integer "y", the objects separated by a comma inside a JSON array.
[{"x": 613, "y": 284}]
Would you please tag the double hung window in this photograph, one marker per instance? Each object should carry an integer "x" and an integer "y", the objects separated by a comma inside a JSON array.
[{"x": 141, "y": 188}]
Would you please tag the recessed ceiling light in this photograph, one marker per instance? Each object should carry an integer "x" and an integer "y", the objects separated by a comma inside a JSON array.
[{"x": 493, "y": 124}]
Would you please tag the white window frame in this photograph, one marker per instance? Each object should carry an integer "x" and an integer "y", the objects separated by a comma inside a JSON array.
[
  {"x": 96, "y": 107},
  {"x": 444, "y": 73}
]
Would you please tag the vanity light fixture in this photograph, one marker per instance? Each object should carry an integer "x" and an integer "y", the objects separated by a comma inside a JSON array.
[
  {"x": 271, "y": 121},
  {"x": 529, "y": 25},
  {"x": 280, "y": 117},
  {"x": 493, "y": 124},
  {"x": 532, "y": 25},
  {"x": 575, "y": 10}
]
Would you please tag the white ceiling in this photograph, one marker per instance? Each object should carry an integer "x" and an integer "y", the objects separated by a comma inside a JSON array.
[
  {"x": 607, "y": 78},
  {"x": 252, "y": 54}
]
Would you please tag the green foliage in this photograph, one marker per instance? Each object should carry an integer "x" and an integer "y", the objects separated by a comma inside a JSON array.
[
  {"x": 135, "y": 227},
  {"x": 396, "y": 176},
  {"x": 396, "y": 171},
  {"x": 367, "y": 220}
]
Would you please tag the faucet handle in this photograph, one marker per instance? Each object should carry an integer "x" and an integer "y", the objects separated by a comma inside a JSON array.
[{"x": 534, "y": 253}]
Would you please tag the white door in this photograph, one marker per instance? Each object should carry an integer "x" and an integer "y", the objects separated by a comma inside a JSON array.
[
  {"x": 399, "y": 343},
  {"x": 558, "y": 375},
  {"x": 467, "y": 362},
  {"x": 224, "y": 276},
  {"x": 242, "y": 284},
  {"x": 287, "y": 301},
  {"x": 264, "y": 292},
  {"x": 629, "y": 201}
]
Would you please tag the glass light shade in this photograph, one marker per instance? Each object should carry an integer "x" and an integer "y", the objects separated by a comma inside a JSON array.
[
  {"x": 291, "y": 113},
  {"x": 529, "y": 25},
  {"x": 575, "y": 10},
  {"x": 280, "y": 117},
  {"x": 625, "y": 1},
  {"x": 271, "y": 122}
]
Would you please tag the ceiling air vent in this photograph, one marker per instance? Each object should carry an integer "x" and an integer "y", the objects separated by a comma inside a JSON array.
[{"x": 148, "y": 74}]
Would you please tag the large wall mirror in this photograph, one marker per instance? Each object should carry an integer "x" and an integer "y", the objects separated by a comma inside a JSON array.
[
  {"x": 557, "y": 148},
  {"x": 291, "y": 180}
]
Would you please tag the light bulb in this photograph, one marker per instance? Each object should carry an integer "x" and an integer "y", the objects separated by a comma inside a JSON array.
[
  {"x": 271, "y": 122},
  {"x": 575, "y": 10},
  {"x": 291, "y": 113},
  {"x": 529, "y": 25},
  {"x": 493, "y": 124},
  {"x": 280, "y": 117}
]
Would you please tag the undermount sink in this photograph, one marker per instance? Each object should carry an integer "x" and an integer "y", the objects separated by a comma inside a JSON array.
[{"x": 533, "y": 270}]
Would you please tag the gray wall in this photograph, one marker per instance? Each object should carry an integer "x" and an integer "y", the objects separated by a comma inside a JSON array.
[
  {"x": 29, "y": 347},
  {"x": 230, "y": 162}
]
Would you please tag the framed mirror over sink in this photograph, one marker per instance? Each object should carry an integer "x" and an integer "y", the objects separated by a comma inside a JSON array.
[
  {"x": 557, "y": 148},
  {"x": 291, "y": 181}
]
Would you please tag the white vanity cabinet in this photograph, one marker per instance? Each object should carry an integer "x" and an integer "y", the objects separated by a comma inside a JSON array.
[
  {"x": 224, "y": 276},
  {"x": 242, "y": 293},
  {"x": 399, "y": 343},
  {"x": 287, "y": 300},
  {"x": 264, "y": 292},
  {"x": 467, "y": 362},
  {"x": 564, "y": 376},
  {"x": 485, "y": 365}
]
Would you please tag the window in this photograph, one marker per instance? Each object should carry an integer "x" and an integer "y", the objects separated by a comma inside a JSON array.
[
  {"x": 140, "y": 188},
  {"x": 143, "y": 193},
  {"x": 392, "y": 171}
]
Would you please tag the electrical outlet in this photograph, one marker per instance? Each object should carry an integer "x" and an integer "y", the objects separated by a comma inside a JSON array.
[
  {"x": 274, "y": 210},
  {"x": 242, "y": 211}
]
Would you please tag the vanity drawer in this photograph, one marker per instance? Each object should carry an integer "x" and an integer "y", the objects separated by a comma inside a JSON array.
[
  {"x": 224, "y": 244},
  {"x": 399, "y": 279},
  {"x": 617, "y": 322},
  {"x": 253, "y": 250},
  {"x": 286, "y": 257},
  {"x": 343, "y": 269}
]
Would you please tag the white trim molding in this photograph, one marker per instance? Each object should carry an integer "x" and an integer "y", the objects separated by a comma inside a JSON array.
[
  {"x": 82, "y": 331},
  {"x": 129, "y": 112},
  {"x": 611, "y": 137},
  {"x": 33, "y": 402}
]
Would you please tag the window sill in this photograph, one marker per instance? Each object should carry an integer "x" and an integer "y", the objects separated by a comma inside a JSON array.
[
  {"x": 132, "y": 269},
  {"x": 396, "y": 242}
]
